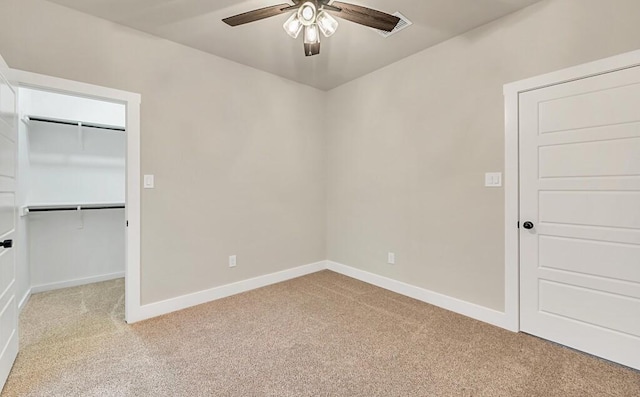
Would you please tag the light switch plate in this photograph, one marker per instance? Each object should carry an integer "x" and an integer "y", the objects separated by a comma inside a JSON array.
[
  {"x": 149, "y": 182},
  {"x": 493, "y": 179}
]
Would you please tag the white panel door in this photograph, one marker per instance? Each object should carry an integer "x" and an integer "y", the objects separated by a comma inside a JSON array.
[
  {"x": 8, "y": 213},
  {"x": 580, "y": 191}
]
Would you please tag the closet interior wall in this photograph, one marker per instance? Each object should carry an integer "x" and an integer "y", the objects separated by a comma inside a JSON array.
[{"x": 63, "y": 166}]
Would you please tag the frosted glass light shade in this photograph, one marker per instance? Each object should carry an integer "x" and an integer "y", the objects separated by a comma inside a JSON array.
[
  {"x": 327, "y": 24},
  {"x": 307, "y": 14},
  {"x": 293, "y": 27},
  {"x": 311, "y": 34}
]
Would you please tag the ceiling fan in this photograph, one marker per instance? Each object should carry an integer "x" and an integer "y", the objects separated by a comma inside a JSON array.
[{"x": 315, "y": 16}]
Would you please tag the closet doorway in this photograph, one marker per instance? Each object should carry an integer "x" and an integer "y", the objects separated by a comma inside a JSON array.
[
  {"x": 71, "y": 189},
  {"x": 78, "y": 188}
]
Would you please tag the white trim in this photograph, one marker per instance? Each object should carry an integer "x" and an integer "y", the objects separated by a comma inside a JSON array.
[
  {"x": 512, "y": 93},
  {"x": 132, "y": 102},
  {"x": 512, "y": 213},
  {"x": 209, "y": 295},
  {"x": 133, "y": 279},
  {"x": 41, "y": 81},
  {"x": 74, "y": 283},
  {"x": 459, "y": 306},
  {"x": 607, "y": 65},
  {"x": 24, "y": 300}
]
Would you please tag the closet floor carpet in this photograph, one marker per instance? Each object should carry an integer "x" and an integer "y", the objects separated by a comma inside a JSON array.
[{"x": 319, "y": 335}]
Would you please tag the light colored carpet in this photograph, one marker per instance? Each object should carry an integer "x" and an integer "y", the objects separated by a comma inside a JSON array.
[{"x": 319, "y": 335}]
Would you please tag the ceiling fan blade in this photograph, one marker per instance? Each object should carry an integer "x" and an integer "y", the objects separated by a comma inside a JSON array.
[
  {"x": 311, "y": 49},
  {"x": 256, "y": 15},
  {"x": 365, "y": 16}
]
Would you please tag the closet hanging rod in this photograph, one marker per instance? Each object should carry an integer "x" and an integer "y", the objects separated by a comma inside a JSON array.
[
  {"x": 76, "y": 123},
  {"x": 54, "y": 208},
  {"x": 74, "y": 209}
]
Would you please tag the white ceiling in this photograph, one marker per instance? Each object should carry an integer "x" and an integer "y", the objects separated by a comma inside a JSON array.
[{"x": 352, "y": 52}]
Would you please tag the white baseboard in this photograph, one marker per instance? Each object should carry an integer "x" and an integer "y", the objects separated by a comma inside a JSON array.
[
  {"x": 198, "y": 298},
  {"x": 24, "y": 300},
  {"x": 459, "y": 306},
  {"x": 74, "y": 283},
  {"x": 468, "y": 309}
]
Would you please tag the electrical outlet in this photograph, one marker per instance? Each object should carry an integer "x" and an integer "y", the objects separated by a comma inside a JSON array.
[
  {"x": 391, "y": 258},
  {"x": 232, "y": 261}
]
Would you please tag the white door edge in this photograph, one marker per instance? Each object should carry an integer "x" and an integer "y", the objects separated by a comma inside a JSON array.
[
  {"x": 512, "y": 92},
  {"x": 9, "y": 344},
  {"x": 132, "y": 199}
]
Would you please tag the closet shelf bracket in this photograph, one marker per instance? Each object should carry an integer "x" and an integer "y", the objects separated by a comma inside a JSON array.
[{"x": 80, "y": 136}]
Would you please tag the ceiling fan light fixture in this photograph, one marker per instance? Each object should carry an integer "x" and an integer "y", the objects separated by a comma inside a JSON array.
[
  {"x": 293, "y": 27},
  {"x": 312, "y": 17},
  {"x": 327, "y": 24},
  {"x": 311, "y": 34},
  {"x": 307, "y": 13}
]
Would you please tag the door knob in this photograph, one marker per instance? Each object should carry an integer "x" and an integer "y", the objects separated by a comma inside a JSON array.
[
  {"x": 528, "y": 225},
  {"x": 6, "y": 243}
]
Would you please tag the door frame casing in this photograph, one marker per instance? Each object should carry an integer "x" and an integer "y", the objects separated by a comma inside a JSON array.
[
  {"x": 512, "y": 93},
  {"x": 132, "y": 102}
]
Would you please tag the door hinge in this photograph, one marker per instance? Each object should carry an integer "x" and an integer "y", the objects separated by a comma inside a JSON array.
[
  {"x": 127, "y": 223},
  {"x": 518, "y": 224}
]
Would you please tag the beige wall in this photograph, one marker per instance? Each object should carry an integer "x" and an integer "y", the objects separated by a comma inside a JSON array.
[
  {"x": 409, "y": 145},
  {"x": 403, "y": 162},
  {"x": 239, "y": 169}
]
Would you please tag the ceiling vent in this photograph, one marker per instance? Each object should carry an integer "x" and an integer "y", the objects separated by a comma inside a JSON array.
[{"x": 402, "y": 25}]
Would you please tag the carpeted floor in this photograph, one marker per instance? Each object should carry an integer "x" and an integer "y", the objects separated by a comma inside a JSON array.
[{"x": 319, "y": 335}]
